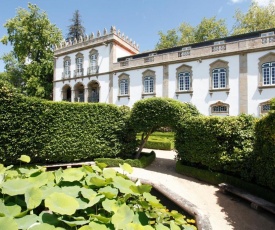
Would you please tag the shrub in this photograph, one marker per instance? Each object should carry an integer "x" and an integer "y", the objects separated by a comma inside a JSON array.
[
  {"x": 222, "y": 144},
  {"x": 61, "y": 131},
  {"x": 216, "y": 178},
  {"x": 263, "y": 159},
  {"x": 145, "y": 160}
]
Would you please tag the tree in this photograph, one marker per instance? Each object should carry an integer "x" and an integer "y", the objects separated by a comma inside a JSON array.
[
  {"x": 76, "y": 30},
  {"x": 167, "y": 40},
  {"x": 150, "y": 114},
  {"x": 257, "y": 18},
  {"x": 209, "y": 28},
  {"x": 14, "y": 70},
  {"x": 33, "y": 38}
]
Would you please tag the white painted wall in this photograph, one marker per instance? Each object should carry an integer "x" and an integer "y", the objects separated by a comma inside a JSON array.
[
  {"x": 254, "y": 96},
  {"x": 121, "y": 52}
]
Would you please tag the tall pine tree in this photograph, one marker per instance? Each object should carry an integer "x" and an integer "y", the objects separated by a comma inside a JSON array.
[{"x": 76, "y": 29}]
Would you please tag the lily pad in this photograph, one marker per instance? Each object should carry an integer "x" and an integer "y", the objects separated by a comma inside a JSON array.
[
  {"x": 122, "y": 217},
  {"x": 25, "y": 158},
  {"x": 61, "y": 203},
  {"x": 8, "y": 223}
]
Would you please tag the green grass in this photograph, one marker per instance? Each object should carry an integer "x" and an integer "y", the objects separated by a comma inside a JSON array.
[{"x": 160, "y": 140}]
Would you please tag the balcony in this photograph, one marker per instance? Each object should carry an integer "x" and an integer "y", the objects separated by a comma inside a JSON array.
[
  {"x": 79, "y": 73},
  {"x": 66, "y": 75},
  {"x": 92, "y": 70}
]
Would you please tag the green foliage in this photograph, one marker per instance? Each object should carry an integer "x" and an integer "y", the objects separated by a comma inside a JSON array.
[
  {"x": 263, "y": 159},
  {"x": 89, "y": 197},
  {"x": 150, "y": 114},
  {"x": 61, "y": 132},
  {"x": 255, "y": 19},
  {"x": 159, "y": 140},
  {"x": 223, "y": 144},
  {"x": 216, "y": 178},
  {"x": 209, "y": 28},
  {"x": 33, "y": 38},
  {"x": 144, "y": 161}
]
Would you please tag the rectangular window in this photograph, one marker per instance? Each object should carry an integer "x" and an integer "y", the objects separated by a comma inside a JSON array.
[
  {"x": 93, "y": 64},
  {"x": 79, "y": 67},
  {"x": 268, "y": 73},
  {"x": 124, "y": 87},
  {"x": 219, "y": 78},
  {"x": 148, "y": 85},
  {"x": 184, "y": 81}
]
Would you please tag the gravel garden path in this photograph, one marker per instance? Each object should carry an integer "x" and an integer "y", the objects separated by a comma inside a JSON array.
[{"x": 225, "y": 212}]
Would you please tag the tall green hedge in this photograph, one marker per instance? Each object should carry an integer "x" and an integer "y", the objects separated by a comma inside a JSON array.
[
  {"x": 223, "y": 144},
  {"x": 61, "y": 131},
  {"x": 264, "y": 153}
]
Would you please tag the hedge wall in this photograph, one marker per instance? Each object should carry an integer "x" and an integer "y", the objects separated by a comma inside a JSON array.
[
  {"x": 264, "y": 153},
  {"x": 223, "y": 144},
  {"x": 61, "y": 131}
]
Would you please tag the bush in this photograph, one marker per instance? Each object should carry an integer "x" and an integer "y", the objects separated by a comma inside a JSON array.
[
  {"x": 61, "y": 131},
  {"x": 216, "y": 178},
  {"x": 263, "y": 159},
  {"x": 145, "y": 160},
  {"x": 223, "y": 144}
]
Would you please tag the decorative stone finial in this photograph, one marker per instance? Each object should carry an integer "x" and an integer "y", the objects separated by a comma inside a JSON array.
[
  {"x": 92, "y": 36},
  {"x": 105, "y": 31},
  {"x": 118, "y": 33},
  {"x": 75, "y": 41},
  {"x": 80, "y": 39},
  {"x": 98, "y": 33},
  {"x": 113, "y": 30}
]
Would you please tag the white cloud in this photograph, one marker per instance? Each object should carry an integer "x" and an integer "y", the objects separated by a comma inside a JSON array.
[
  {"x": 260, "y": 2},
  {"x": 263, "y": 2}
]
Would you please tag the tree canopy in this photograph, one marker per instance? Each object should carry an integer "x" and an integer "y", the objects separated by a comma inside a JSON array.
[
  {"x": 256, "y": 18},
  {"x": 76, "y": 29},
  {"x": 32, "y": 37}
]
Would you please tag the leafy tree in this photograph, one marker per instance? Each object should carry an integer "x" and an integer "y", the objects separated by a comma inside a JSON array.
[
  {"x": 33, "y": 38},
  {"x": 257, "y": 18},
  {"x": 150, "y": 114},
  {"x": 14, "y": 70},
  {"x": 167, "y": 40},
  {"x": 187, "y": 34},
  {"x": 76, "y": 29},
  {"x": 209, "y": 28}
]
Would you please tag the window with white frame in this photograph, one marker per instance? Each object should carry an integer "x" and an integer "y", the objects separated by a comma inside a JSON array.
[
  {"x": 268, "y": 73},
  {"x": 219, "y": 108},
  {"x": 124, "y": 86},
  {"x": 184, "y": 81},
  {"x": 219, "y": 78},
  {"x": 93, "y": 62},
  {"x": 67, "y": 68},
  {"x": 148, "y": 84}
]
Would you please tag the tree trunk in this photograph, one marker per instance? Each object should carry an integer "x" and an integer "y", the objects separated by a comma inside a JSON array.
[{"x": 142, "y": 143}]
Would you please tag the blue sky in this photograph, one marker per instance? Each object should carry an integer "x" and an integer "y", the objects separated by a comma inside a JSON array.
[{"x": 140, "y": 20}]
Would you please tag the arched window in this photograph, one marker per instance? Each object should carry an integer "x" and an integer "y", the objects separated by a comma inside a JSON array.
[
  {"x": 265, "y": 107},
  {"x": 219, "y": 109}
]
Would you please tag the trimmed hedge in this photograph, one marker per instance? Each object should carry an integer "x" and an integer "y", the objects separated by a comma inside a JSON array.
[
  {"x": 216, "y": 178},
  {"x": 61, "y": 131},
  {"x": 145, "y": 160},
  {"x": 263, "y": 159},
  {"x": 158, "y": 144},
  {"x": 223, "y": 144}
]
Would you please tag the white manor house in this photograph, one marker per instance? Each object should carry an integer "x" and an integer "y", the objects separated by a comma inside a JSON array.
[{"x": 227, "y": 76}]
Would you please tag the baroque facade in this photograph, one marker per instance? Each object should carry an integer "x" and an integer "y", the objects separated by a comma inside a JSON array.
[{"x": 226, "y": 76}]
